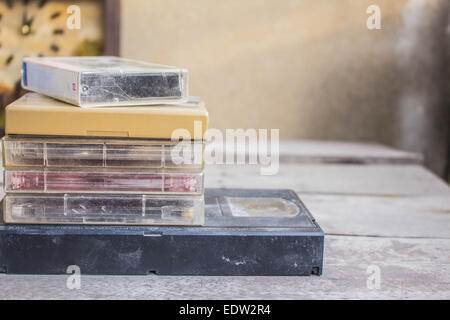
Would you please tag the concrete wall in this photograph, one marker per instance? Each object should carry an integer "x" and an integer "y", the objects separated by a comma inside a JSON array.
[{"x": 308, "y": 67}]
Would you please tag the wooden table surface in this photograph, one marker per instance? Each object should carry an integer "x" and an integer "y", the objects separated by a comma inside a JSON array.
[{"x": 379, "y": 207}]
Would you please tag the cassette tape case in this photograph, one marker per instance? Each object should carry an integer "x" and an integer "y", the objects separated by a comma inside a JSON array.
[{"x": 104, "y": 81}]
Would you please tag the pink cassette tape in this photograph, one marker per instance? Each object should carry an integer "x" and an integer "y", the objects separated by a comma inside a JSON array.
[{"x": 38, "y": 181}]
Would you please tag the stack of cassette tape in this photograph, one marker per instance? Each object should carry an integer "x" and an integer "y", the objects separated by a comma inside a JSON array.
[{"x": 98, "y": 142}]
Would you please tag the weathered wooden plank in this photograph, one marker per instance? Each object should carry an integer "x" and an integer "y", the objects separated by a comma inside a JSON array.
[
  {"x": 378, "y": 200},
  {"x": 310, "y": 151},
  {"x": 421, "y": 216},
  {"x": 381, "y": 180},
  {"x": 409, "y": 268}
]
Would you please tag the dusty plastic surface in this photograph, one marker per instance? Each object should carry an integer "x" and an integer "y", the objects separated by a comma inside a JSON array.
[
  {"x": 148, "y": 182},
  {"x": 104, "y": 81},
  {"x": 103, "y": 209},
  {"x": 20, "y": 151}
]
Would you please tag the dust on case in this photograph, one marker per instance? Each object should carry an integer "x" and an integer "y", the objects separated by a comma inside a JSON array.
[
  {"x": 136, "y": 209},
  {"x": 57, "y": 152},
  {"x": 105, "y": 81}
]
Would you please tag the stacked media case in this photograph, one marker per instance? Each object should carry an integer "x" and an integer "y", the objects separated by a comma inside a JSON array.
[{"x": 108, "y": 154}]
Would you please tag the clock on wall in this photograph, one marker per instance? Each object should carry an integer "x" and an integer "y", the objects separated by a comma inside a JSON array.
[{"x": 52, "y": 28}]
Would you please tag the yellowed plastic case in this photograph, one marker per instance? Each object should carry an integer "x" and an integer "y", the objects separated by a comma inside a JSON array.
[{"x": 35, "y": 114}]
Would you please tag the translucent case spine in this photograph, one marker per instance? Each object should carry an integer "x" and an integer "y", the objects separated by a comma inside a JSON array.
[
  {"x": 103, "y": 209},
  {"x": 38, "y": 181},
  {"x": 107, "y": 153}
]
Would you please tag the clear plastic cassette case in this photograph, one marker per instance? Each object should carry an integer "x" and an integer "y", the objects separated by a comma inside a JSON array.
[
  {"x": 103, "y": 209},
  {"x": 148, "y": 182},
  {"x": 105, "y": 81},
  {"x": 105, "y": 153}
]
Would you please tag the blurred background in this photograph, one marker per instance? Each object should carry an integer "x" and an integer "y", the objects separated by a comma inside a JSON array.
[{"x": 311, "y": 68}]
